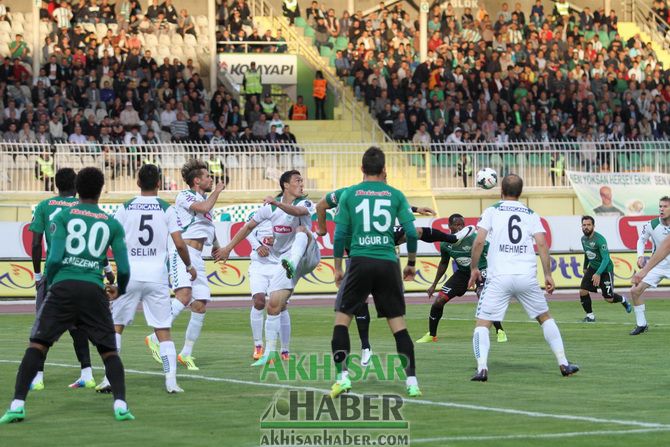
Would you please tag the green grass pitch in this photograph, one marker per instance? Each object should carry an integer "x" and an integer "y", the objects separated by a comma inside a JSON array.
[{"x": 619, "y": 398}]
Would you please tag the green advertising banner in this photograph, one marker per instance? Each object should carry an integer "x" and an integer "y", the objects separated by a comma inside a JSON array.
[{"x": 620, "y": 194}]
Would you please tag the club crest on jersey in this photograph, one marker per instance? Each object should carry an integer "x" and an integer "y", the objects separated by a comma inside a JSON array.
[{"x": 282, "y": 229}]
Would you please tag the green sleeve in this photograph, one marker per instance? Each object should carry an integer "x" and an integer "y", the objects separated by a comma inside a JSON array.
[
  {"x": 342, "y": 235},
  {"x": 56, "y": 250},
  {"x": 405, "y": 213},
  {"x": 38, "y": 225},
  {"x": 121, "y": 258},
  {"x": 342, "y": 216},
  {"x": 411, "y": 235},
  {"x": 586, "y": 261},
  {"x": 604, "y": 254},
  {"x": 332, "y": 198}
]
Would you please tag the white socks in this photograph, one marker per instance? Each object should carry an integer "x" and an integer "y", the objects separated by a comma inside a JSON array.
[
  {"x": 192, "y": 332},
  {"x": 118, "y": 342},
  {"x": 120, "y": 405},
  {"x": 38, "y": 377},
  {"x": 256, "y": 317},
  {"x": 87, "y": 374},
  {"x": 481, "y": 344},
  {"x": 177, "y": 307},
  {"x": 285, "y": 332},
  {"x": 640, "y": 319},
  {"x": 411, "y": 380},
  {"x": 169, "y": 357},
  {"x": 298, "y": 248},
  {"x": 553, "y": 336},
  {"x": 16, "y": 404},
  {"x": 272, "y": 327}
]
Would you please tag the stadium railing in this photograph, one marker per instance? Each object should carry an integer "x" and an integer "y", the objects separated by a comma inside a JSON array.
[
  {"x": 655, "y": 26},
  {"x": 256, "y": 167}
]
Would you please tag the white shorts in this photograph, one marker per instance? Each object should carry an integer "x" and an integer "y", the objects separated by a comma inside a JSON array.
[
  {"x": 309, "y": 261},
  {"x": 155, "y": 302},
  {"x": 260, "y": 277},
  {"x": 180, "y": 278},
  {"x": 656, "y": 275},
  {"x": 498, "y": 290}
]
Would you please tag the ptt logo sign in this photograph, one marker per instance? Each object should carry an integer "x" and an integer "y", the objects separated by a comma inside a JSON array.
[
  {"x": 226, "y": 275},
  {"x": 16, "y": 276}
]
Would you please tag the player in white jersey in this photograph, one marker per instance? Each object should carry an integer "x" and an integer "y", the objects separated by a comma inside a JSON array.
[
  {"x": 294, "y": 251},
  {"x": 512, "y": 272},
  {"x": 657, "y": 230},
  {"x": 148, "y": 223},
  {"x": 261, "y": 240},
  {"x": 193, "y": 208}
]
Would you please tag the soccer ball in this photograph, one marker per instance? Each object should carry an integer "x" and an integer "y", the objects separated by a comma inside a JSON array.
[{"x": 487, "y": 178}]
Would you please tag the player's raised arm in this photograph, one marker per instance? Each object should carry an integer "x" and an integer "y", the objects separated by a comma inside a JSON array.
[
  {"x": 207, "y": 205},
  {"x": 224, "y": 252},
  {"x": 293, "y": 210}
]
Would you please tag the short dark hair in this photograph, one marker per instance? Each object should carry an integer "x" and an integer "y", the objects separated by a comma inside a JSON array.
[
  {"x": 286, "y": 178},
  {"x": 89, "y": 183},
  {"x": 65, "y": 178},
  {"x": 374, "y": 161},
  {"x": 664, "y": 199},
  {"x": 593, "y": 221},
  {"x": 512, "y": 186},
  {"x": 453, "y": 218},
  {"x": 192, "y": 169},
  {"x": 148, "y": 177}
]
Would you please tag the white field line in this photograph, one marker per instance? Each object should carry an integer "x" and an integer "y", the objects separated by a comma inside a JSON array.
[
  {"x": 538, "y": 435},
  {"x": 567, "y": 417}
]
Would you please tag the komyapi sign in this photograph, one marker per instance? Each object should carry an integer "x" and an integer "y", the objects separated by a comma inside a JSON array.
[
  {"x": 298, "y": 417},
  {"x": 274, "y": 68}
]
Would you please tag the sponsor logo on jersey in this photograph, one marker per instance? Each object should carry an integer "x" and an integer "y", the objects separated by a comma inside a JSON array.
[
  {"x": 57, "y": 202},
  {"x": 144, "y": 207},
  {"x": 362, "y": 192},
  {"x": 282, "y": 229},
  {"x": 86, "y": 213}
]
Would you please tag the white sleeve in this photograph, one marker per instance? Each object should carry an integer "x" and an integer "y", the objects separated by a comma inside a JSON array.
[
  {"x": 485, "y": 221},
  {"x": 264, "y": 213},
  {"x": 185, "y": 200},
  {"x": 173, "y": 220},
  {"x": 642, "y": 240},
  {"x": 465, "y": 232},
  {"x": 536, "y": 224}
]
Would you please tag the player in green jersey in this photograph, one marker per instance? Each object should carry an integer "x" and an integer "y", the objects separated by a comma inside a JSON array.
[
  {"x": 45, "y": 211},
  {"x": 598, "y": 270},
  {"x": 367, "y": 212},
  {"x": 362, "y": 314},
  {"x": 80, "y": 237},
  {"x": 457, "y": 284}
]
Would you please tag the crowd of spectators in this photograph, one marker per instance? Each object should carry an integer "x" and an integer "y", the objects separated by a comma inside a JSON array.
[
  {"x": 109, "y": 93},
  {"x": 501, "y": 76}
]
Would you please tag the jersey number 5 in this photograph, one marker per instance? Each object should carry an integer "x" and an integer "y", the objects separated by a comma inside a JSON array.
[
  {"x": 381, "y": 216},
  {"x": 144, "y": 226}
]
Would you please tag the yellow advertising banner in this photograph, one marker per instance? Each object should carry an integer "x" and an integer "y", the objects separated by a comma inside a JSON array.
[{"x": 16, "y": 278}]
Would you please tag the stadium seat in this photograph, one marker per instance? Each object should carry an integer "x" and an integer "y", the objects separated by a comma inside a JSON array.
[
  {"x": 232, "y": 162},
  {"x": 299, "y": 161},
  {"x": 5, "y": 27},
  {"x": 649, "y": 159},
  {"x": 100, "y": 29},
  {"x": 177, "y": 39},
  {"x": 309, "y": 32},
  {"x": 325, "y": 51},
  {"x": 299, "y": 21},
  {"x": 89, "y": 27},
  {"x": 18, "y": 17},
  {"x": 21, "y": 162},
  {"x": 4, "y": 37},
  {"x": 635, "y": 161},
  {"x": 100, "y": 114},
  {"x": 202, "y": 21},
  {"x": 164, "y": 39},
  {"x": 285, "y": 162},
  {"x": 28, "y": 17},
  {"x": 151, "y": 40},
  {"x": 4, "y": 49},
  {"x": 190, "y": 40},
  {"x": 190, "y": 51},
  {"x": 257, "y": 161},
  {"x": 624, "y": 164},
  {"x": 341, "y": 43},
  {"x": 271, "y": 161}
]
